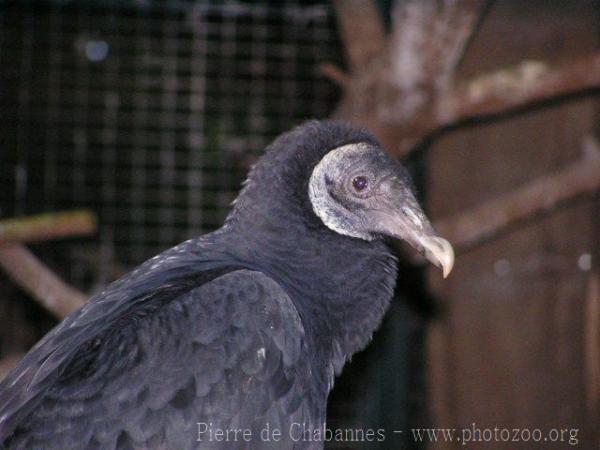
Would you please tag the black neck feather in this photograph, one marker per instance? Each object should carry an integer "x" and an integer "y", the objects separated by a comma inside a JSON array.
[{"x": 340, "y": 285}]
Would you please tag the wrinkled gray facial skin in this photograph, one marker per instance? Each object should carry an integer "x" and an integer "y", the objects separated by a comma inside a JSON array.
[{"x": 359, "y": 191}]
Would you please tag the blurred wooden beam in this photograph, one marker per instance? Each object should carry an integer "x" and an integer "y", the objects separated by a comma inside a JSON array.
[
  {"x": 591, "y": 342},
  {"x": 473, "y": 227},
  {"x": 48, "y": 226}
]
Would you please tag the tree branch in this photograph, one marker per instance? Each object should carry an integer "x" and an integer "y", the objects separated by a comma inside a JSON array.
[
  {"x": 361, "y": 30},
  {"x": 468, "y": 229},
  {"x": 506, "y": 90},
  {"x": 409, "y": 93},
  {"x": 39, "y": 281},
  {"x": 427, "y": 42},
  {"x": 30, "y": 273},
  {"x": 454, "y": 29},
  {"x": 529, "y": 82},
  {"x": 47, "y": 226},
  {"x": 429, "y": 39}
]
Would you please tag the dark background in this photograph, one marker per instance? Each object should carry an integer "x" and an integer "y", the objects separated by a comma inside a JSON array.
[{"x": 149, "y": 113}]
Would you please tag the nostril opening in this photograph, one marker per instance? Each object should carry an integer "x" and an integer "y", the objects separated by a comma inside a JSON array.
[{"x": 412, "y": 217}]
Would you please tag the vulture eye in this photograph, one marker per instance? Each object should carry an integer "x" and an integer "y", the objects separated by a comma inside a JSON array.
[{"x": 360, "y": 183}]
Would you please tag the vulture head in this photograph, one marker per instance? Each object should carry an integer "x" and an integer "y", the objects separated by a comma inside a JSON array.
[
  {"x": 333, "y": 176},
  {"x": 357, "y": 190}
]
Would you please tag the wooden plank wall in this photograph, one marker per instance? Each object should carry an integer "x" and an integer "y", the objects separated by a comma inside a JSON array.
[{"x": 510, "y": 350}]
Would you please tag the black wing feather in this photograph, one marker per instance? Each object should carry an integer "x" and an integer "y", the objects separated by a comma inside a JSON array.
[{"x": 230, "y": 352}]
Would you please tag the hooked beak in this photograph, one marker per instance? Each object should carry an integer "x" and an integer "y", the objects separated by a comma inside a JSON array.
[
  {"x": 437, "y": 250},
  {"x": 410, "y": 224}
]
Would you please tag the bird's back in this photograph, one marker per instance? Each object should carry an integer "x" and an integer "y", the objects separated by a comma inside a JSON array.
[{"x": 207, "y": 360}]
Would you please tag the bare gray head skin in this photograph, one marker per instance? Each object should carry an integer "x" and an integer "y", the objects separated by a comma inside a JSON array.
[{"x": 359, "y": 191}]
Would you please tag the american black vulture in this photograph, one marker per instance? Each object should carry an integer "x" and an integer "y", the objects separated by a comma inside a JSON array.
[{"x": 232, "y": 339}]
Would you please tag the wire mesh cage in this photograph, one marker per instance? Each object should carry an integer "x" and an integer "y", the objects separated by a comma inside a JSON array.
[{"x": 148, "y": 112}]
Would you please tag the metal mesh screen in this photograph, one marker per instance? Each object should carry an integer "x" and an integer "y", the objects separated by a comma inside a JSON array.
[{"x": 150, "y": 112}]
